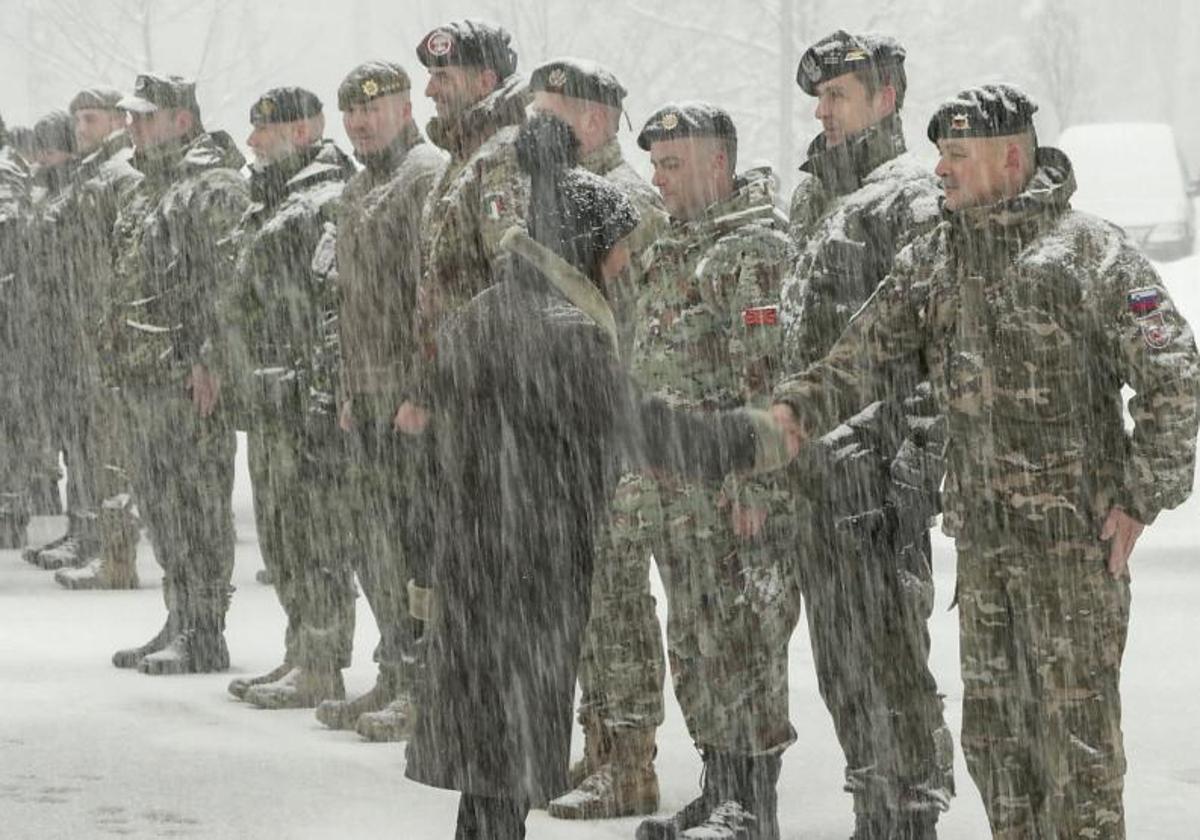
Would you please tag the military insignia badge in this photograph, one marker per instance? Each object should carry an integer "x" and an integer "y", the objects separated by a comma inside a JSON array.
[
  {"x": 856, "y": 54},
  {"x": 1155, "y": 331},
  {"x": 440, "y": 43},
  {"x": 495, "y": 207},
  {"x": 557, "y": 78},
  {"x": 960, "y": 122},
  {"x": 266, "y": 107},
  {"x": 1142, "y": 301},
  {"x": 761, "y": 316},
  {"x": 669, "y": 122},
  {"x": 370, "y": 88},
  {"x": 810, "y": 67}
]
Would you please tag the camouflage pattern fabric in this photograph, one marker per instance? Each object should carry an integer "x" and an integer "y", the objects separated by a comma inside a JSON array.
[
  {"x": 378, "y": 266},
  {"x": 622, "y": 666},
  {"x": 174, "y": 248},
  {"x": 707, "y": 338},
  {"x": 14, "y": 210},
  {"x": 1027, "y": 318},
  {"x": 871, "y": 486},
  {"x": 280, "y": 311}
]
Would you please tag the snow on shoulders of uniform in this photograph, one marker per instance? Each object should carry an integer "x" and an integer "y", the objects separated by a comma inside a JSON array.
[{"x": 1049, "y": 250}]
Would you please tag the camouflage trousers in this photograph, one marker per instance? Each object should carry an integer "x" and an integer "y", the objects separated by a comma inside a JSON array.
[
  {"x": 15, "y": 448},
  {"x": 622, "y": 665},
  {"x": 1043, "y": 630},
  {"x": 386, "y": 528},
  {"x": 300, "y": 511},
  {"x": 868, "y": 598},
  {"x": 732, "y": 606},
  {"x": 183, "y": 479}
]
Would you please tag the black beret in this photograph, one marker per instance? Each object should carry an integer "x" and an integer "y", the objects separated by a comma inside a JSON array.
[
  {"x": 578, "y": 79},
  {"x": 284, "y": 105},
  {"x": 100, "y": 98},
  {"x": 995, "y": 110},
  {"x": 152, "y": 91},
  {"x": 469, "y": 43},
  {"x": 841, "y": 53},
  {"x": 686, "y": 119},
  {"x": 54, "y": 132},
  {"x": 371, "y": 80}
]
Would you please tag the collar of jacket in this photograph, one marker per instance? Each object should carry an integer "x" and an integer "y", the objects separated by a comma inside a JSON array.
[
  {"x": 843, "y": 168},
  {"x": 270, "y": 183},
  {"x": 108, "y": 147},
  {"x": 1045, "y": 198},
  {"x": 568, "y": 280},
  {"x": 54, "y": 179},
  {"x": 389, "y": 159},
  {"x": 201, "y": 151},
  {"x": 463, "y": 135},
  {"x": 753, "y": 198},
  {"x": 605, "y": 159}
]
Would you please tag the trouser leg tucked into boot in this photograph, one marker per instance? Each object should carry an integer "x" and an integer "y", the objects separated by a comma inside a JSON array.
[
  {"x": 116, "y": 540},
  {"x": 199, "y": 648}
]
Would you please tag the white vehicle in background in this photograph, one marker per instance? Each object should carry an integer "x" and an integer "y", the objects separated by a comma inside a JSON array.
[{"x": 1133, "y": 175}]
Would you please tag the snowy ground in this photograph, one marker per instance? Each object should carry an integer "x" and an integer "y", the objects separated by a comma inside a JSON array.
[{"x": 87, "y": 751}]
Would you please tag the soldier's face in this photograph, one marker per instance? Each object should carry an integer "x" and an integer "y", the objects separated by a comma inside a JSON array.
[
  {"x": 455, "y": 89},
  {"x": 973, "y": 171},
  {"x": 166, "y": 125},
  {"x": 845, "y": 108},
  {"x": 690, "y": 173},
  {"x": 375, "y": 125},
  {"x": 272, "y": 142},
  {"x": 93, "y": 125}
]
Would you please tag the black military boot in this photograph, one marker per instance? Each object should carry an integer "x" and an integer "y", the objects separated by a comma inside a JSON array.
[
  {"x": 715, "y": 781},
  {"x": 344, "y": 714},
  {"x": 199, "y": 647}
]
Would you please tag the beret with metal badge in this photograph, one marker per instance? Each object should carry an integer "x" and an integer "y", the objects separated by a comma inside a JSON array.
[
  {"x": 152, "y": 92},
  {"x": 284, "y": 105},
  {"x": 469, "y": 43},
  {"x": 371, "y": 80},
  {"x": 579, "y": 79},
  {"x": 992, "y": 110},
  {"x": 686, "y": 119}
]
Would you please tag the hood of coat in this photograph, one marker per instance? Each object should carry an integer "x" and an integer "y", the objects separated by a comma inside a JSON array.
[{"x": 843, "y": 168}]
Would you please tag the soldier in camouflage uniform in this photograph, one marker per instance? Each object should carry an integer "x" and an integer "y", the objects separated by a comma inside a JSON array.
[
  {"x": 50, "y": 188},
  {"x": 378, "y": 266},
  {"x": 707, "y": 338},
  {"x": 872, "y": 484},
  {"x": 622, "y": 665},
  {"x": 98, "y": 489},
  {"x": 174, "y": 247},
  {"x": 279, "y": 314},
  {"x": 14, "y": 211},
  {"x": 1028, "y": 318}
]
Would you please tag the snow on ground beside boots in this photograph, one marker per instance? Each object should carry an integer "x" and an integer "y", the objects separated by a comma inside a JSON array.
[{"x": 89, "y": 751}]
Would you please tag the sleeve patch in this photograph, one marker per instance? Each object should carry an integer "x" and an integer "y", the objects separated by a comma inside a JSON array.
[
  {"x": 1156, "y": 332},
  {"x": 1143, "y": 301},
  {"x": 761, "y": 316}
]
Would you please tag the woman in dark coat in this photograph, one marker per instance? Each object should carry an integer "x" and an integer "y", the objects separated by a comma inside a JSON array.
[{"x": 531, "y": 416}]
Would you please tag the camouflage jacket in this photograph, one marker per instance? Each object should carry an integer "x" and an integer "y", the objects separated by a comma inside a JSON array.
[
  {"x": 480, "y": 195},
  {"x": 608, "y": 162},
  {"x": 173, "y": 250},
  {"x": 14, "y": 214},
  {"x": 860, "y": 203},
  {"x": 278, "y": 312},
  {"x": 378, "y": 266},
  {"x": 101, "y": 182},
  {"x": 1028, "y": 318},
  {"x": 707, "y": 333},
  {"x": 47, "y": 269}
]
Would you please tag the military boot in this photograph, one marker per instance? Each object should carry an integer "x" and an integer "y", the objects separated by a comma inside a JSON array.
[
  {"x": 31, "y": 554},
  {"x": 130, "y": 657},
  {"x": 200, "y": 647},
  {"x": 712, "y": 786},
  {"x": 264, "y": 577},
  {"x": 239, "y": 686},
  {"x": 623, "y": 783},
  {"x": 739, "y": 801},
  {"x": 344, "y": 714},
  {"x": 299, "y": 688},
  {"x": 116, "y": 567},
  {"x": 596, "y": 745},
  {"x": 394, "y": 722}
]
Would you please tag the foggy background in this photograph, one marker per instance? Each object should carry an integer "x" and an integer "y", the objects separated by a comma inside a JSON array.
[{"x": 1101, "y": 60}]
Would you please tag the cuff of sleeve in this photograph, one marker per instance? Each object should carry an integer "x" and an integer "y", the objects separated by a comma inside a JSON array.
[
  {"x": 422, "y": 602},
  {"x": 770, "y": 445}
]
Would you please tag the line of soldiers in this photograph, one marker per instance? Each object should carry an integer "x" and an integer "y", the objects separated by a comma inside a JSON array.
[{"x": 158, "y": 300}]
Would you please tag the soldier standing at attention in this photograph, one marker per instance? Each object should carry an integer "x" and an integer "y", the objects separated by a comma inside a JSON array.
[
  {"x": 1028, "y": 318},
  {"x": 278, "y": 313},
  {"x": 707, "y": 338},
  {"x": 378, "y": 266},
  {"x": 174, "y": 248},
  {"x": 872, "y": 483}
]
